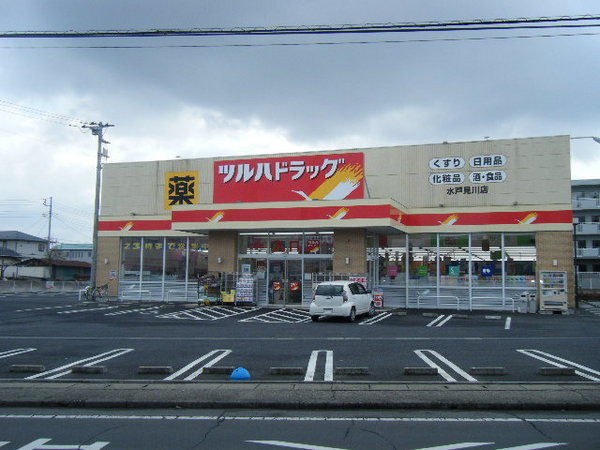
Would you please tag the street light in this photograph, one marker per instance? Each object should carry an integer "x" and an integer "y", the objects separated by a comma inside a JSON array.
[{"x": 594, "y": 138}]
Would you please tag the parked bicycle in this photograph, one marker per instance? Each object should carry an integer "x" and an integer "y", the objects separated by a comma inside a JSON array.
[{"x": 92, "y": 294}]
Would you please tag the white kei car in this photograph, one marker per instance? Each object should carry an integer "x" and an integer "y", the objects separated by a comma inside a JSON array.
[{"x": 341, "y": 298}]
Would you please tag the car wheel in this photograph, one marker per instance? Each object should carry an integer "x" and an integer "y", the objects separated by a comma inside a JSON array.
[
  {"x": 372, "y": 310},
  {"x": 314, "y": 318},
  {"x": 352, "y": 316}
]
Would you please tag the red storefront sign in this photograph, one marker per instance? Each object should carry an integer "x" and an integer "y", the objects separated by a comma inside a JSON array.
[{"x": 293, "y": 178}]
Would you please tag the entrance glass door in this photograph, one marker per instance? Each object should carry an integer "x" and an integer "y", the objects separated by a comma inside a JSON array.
[{"x": 285, "y": 282}]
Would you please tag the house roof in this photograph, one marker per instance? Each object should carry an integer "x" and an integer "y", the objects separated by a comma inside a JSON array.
[
  {"x": 8, "y": 253},
  {"x": 19, "y": 236},
  {"x": 73, "y": 247}
]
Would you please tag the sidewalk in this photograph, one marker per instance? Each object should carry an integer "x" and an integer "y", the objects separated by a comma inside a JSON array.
[{"x": 302, "y": 395}]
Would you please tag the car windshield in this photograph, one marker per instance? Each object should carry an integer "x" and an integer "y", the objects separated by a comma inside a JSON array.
[{"x": 330, "y": 289}]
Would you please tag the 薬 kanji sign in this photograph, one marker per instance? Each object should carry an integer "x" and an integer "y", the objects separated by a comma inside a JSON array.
[{"x": 181, "y": 188}]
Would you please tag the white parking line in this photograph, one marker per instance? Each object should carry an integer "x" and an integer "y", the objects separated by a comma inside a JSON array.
[
  {"x": 375, "y": 319},
  {"x": 73, "y": 311},
  {"x": 312, "y": 365},
  {"x": 560, "y": 362},
  {"x": 280, "y": 316},
  {"x": 88, "y": 362},
  {"x": 439, "y": 320},
  {"x": 507, "y": 323},
  {"x": 441, "y": 371},
  {"x": 16, "y": 351},
  {"x": 218, "y": 356}
]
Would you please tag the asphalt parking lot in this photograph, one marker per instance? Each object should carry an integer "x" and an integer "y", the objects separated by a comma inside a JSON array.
[{"x": 55, "y": 337}]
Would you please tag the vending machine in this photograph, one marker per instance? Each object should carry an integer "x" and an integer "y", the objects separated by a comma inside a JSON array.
[{"x": 553, "y": 291}]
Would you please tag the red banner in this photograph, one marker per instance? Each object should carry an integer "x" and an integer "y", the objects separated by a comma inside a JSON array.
[{"x": 314, "y": 177}]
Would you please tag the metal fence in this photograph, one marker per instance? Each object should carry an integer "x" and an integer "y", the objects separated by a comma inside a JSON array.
[
  {"x": 16, "y": 286},
  {"x": 588, "y": 282}
]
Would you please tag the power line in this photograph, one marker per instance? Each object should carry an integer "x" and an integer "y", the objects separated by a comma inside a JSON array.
[
  {"x": 25, "y": 111},
  {"x": 301, "y": 44},
  {"x": 461, "y": 25}
]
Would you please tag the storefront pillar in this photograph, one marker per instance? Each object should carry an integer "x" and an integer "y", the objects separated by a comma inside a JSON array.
[
  {"x": 350, "y": 251},
  {"x": 555, "y": 253},
  {"x": 222, "y": 251},
  {"x": 107, "y": 264}
]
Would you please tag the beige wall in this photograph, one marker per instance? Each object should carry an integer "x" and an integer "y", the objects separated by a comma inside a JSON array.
[
  {"x": 223, "y": 245},
  {"x": 109, "y": 251},
  {"x": 555, "y": 252},
  {"x": 352, "y": 244},
  {"x": 538, "y": 171}
]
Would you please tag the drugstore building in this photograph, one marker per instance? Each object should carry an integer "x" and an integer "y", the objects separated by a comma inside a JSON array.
[{"x": 467, "y": 225}]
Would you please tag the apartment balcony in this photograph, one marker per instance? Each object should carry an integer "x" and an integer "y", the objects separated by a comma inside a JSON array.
[
  {"x": 587, "y": 228},
  {"x": 588, "y": 253},
  {"x": 586, "y": 203}
]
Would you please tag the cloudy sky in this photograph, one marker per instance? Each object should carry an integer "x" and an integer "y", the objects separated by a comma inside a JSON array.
[{"x": 210, "y": 96}]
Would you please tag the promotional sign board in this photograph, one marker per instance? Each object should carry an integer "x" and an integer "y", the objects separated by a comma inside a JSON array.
[{"x": 292, "y": 178}]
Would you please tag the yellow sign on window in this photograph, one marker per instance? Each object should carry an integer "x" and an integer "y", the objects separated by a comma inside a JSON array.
[{"x": 181, "y": 188}]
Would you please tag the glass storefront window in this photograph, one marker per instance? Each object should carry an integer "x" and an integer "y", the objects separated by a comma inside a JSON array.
[
  {"x": 198, "y": 257},
  {"x": 486, "y": 257},
  {"x": 175, "y": 259},
  {"x": 454, "y": 260},
  {"x": 422, "y": 259},
  {"x": 153, "y": 259},
  {"x": 521, "y": 257},
  {"x": 318, "y": 243},
  {"x": 309, "y": 243},
  {"x": 130, "y": 258},
  {"x": 254, "y": 243}
]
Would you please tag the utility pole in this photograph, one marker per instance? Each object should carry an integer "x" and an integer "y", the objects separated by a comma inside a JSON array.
[
  {"x": 48, "y": 203},
  {"x": 97, "y": 129}
]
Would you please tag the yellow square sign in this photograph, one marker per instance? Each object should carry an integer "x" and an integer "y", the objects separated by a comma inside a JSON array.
[{"x": 181, "y": 188}]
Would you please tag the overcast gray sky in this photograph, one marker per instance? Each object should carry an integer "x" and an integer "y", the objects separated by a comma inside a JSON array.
[{"x": 231, "y": 100}]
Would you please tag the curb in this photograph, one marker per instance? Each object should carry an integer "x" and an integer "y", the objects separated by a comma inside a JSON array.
[{"x": 304, "y": 395}]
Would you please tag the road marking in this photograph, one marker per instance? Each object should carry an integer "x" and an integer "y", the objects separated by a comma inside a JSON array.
[
  {"x": 218, "y": 356},
  {"x": 283, "y": 315},
  {"x": 38, "y": 444},
  {"x": 312, "y": 365},
  {"x": 507, "y": 323},
  {"x": 375, "y": 319},
  {"x": 16, "y": 351},
  {"x": 441, "y": 371},
  {"x": 129, "y": 311},
  {"x": 45, "y": 308},
  {"x": 535, "y": 446},
  {"x": 74, "y": 311},
  {"x": 206, "y": 313},
  {"x": 441, "y": 319},
  {"x": 552, "y": 359},
  {"x": 456, "y": 446},
  {"x": 295, "y": 445},
  {"x": 246, "y": 418},
  {"x": 52, "y": 374}
]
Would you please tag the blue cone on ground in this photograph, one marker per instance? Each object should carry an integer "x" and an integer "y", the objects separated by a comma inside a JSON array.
[{"x": 240, "y": 374}]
